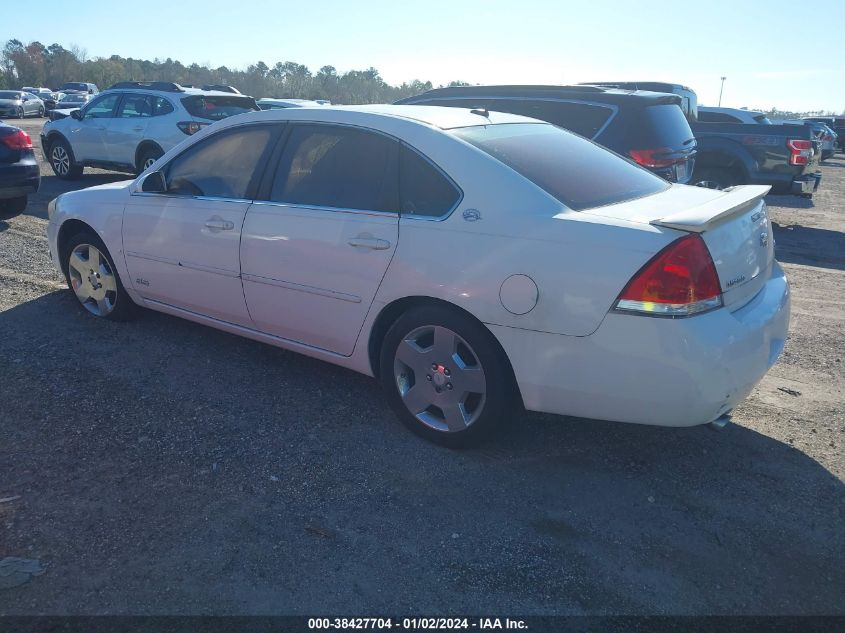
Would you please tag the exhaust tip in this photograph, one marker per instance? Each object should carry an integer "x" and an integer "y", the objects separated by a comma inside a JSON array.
[{"x": 721, "y": 422}]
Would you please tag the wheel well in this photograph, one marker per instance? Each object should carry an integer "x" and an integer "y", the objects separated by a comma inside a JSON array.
[
  {"x": 69, "y": 228},
  {"x": 392, "y": 311},
  {"x": 144, "y": 146},
  {"x": 52, "y": 138}
]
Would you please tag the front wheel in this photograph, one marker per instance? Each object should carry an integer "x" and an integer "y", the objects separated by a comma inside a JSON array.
[
  {"x": 445, "y": 376},
  {"x": 61, "y": 160},
  {"x": 92, "y": 277}
]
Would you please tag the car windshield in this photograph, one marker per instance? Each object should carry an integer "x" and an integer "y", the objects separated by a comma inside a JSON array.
[
  {"x": 216, "y": 107},
  {"x": 79, "y": 98},
  {"x": 9, "y": 94},
  {"x": 576, "y": 171},
  {"x": 74, "y": 86}
]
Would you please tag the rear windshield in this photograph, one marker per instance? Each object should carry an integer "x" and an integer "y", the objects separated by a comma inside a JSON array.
[
  {"x": 215, "y": 108},
  {"x": 9, "y": 94},
  {"x": 579, "y": 173},
  {"x": 669, "y": 126}
]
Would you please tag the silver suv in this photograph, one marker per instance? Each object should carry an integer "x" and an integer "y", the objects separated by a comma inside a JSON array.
[{"x": 132, "y": 124}]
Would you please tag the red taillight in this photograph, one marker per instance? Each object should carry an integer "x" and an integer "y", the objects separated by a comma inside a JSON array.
[
  {"x": 191, "y": 127},
  {"x": 17, "y": 141},
  {"x": 652, "y": 157},
  {"x": 680, "y": 280},
  {"x": 800, "y": 151}
]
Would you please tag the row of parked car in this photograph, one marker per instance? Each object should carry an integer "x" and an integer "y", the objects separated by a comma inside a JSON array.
[{"x": 657, "y": 125}]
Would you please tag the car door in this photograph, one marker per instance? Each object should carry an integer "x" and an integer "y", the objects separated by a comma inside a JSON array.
[
  {"x": 315, "y": 248},
  {"x": 30, "y": 104},
  {"x": 127, "y": 129},
  {"x": 88, "y": 133},
  {"x": 182, "y": 245}
]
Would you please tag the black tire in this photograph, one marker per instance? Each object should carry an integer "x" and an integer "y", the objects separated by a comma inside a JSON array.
[
  {"x": 715, "y": 178},
  {"x": 13, "y": 206},
  {"x": 486, "y": 411},
  {"x": 41, "y": 112},
  {"x": 150, "y": 154},
  {"x": 65, "y": 170},
  {"x": 123, "y": 306},
  {"x": 21, "y": 113}
]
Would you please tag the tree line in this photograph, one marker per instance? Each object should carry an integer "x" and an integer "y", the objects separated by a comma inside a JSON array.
[{"x": 37, "y": 65}]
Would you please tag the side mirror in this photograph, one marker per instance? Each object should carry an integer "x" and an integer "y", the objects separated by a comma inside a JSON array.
[
  {"x": 76, "y": 114},
  {"x": 154, "y": 183},
  {"x": 90, "y": 91}
]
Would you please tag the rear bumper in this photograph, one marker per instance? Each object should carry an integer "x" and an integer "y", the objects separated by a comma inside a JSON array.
[
  {"x": 665, "y": 372},
  {"x": 808, "y": 183},
  {"x": 19, "y": 179}
]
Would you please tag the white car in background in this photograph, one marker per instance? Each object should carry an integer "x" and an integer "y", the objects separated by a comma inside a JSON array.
[
  {"x": 470, "y": 260},
  {"x": 732, "y": 115},
  {"x": 132, "y": 124}
]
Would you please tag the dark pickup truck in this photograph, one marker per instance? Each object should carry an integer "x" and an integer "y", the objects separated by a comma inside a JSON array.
[{"x": 782, "y": 156}]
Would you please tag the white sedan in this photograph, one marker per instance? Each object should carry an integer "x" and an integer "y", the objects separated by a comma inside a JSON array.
[{"x": 472, "y": 261}]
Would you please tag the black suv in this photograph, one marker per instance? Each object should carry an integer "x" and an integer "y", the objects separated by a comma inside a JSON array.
[{"x": 646, "y": 127}]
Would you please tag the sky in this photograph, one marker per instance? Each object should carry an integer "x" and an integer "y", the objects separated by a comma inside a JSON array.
[{"x": 773, "y": 54}]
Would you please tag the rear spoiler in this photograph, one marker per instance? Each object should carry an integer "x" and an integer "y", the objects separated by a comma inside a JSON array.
[{"x": 732, "y": 202}]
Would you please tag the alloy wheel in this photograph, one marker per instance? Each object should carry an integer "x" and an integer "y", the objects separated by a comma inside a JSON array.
[
  {"x": 440, "y": 378},
  {"x": 92, "y": 279},
  {"x": 61, "y": 160}
]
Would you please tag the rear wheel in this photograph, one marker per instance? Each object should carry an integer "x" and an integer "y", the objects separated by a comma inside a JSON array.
[
  {"x": 92, "y": 277},
  {"x": 147, "y": 158},
  {"x": 445, "y": 377},
  {"x": 41, "y": 111},
  {"x": 715, "y": 178},
  {"x": 61, "y": 160},
  {"x": 21, "y": 113},
  {"x": 13, "y": 206}
]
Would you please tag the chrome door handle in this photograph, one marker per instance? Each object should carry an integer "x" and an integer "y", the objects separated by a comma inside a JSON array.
[
  {"x": 218, "y": 224},
  {"x": 373, "y": 243}
]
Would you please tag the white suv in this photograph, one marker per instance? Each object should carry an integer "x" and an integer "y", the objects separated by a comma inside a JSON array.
[{"x": 132, "y": 124}]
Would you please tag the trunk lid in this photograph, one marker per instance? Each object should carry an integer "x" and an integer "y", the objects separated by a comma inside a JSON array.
[{"x": 733, "y": 223}]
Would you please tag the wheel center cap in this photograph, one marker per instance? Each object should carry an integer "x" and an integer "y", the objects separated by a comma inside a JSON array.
[{"x": 439, "y": 377}]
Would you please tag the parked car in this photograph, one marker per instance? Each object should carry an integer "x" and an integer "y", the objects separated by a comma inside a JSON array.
[
  {"x": 835, "y": 123},
  {"x": 646, "y": 127},
  {"x": 131, "y": 125},
  {"x": 732, "y": 115},
  {"x": 19, "y": 175},
  {"x": 20, "y": 104},
  {"x": 473, "y": 261},
  {"x": 79, "y": 86},
  {"x": 824, "y": 135},
  {"x": 222, "y": 88},
  {"x": 783, "y": 157},
  {"x": 48, "y": 98},
  {"x": 276, "y": 104},
  {"x": 689, "y": 99},
  {"x": 67, "y": 103}
]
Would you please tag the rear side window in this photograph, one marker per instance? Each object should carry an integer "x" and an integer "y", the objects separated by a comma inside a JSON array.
[
  {"x": 339, "y": 167},
  {"x": 576, "y": 171},
  {"x": 161, "y": 106},
  {"x": 222, "y": 166},
  {"x": 423, "y": 189},
  {"x": 669, "y": 127},
  {"x": 762, "y": 119},
  {"x": 134, "y": 106},
  {"x": 215, "y": 108}
]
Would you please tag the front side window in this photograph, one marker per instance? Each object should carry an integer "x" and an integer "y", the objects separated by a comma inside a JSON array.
[
  {"x": 225, "y": 165},
  {"x": 134, "y": 106},
  {"x": 102, "y": 108},
  {"x": 575, "y": 171},
  {"x": 423, "y": 189},
  {"x": 340, "y": 167}
]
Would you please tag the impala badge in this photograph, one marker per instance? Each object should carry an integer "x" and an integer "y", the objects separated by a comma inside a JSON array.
[
  {"x": 735, "y": 281},
  {"x": 472, "y": 215}
]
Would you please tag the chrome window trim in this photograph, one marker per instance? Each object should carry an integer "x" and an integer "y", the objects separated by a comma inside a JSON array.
[{"x": 315, "y": 207}]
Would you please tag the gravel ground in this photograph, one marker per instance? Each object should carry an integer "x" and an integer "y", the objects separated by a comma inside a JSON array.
[{"x": 159, "y": 466}]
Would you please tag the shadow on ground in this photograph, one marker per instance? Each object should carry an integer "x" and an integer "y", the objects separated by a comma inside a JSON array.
[
  {"x": 812, "y": 246},
  {"x": 166, "y": 467}
]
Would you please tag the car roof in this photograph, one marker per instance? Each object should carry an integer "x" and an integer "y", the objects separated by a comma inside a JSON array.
[
  {"x": 730, "y": 110},
  {"x": 371, "y": 115},
  {"x": 584, "y": 93}
]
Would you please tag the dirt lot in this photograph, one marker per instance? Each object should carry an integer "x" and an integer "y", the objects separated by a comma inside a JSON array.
[{"x": 160, "y": 466}]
